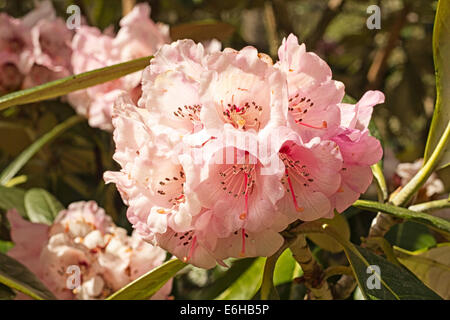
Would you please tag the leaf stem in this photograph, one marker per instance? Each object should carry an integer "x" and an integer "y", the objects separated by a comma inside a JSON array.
[
  {"x": 431, "y": 205},
  {"x": 405, "y": 194}
]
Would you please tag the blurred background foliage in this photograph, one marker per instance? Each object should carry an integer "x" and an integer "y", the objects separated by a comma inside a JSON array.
[{"x": 396, "y": 59}]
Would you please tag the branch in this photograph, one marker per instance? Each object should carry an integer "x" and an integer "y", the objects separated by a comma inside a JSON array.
[{"x": 313, "y": 274}]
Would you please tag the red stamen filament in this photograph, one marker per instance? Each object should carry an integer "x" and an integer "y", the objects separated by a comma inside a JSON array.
[
  {"x": 243, "y": 243},
  {"x": 297, "y": 207},
  {"x": 191, "y": 250}
]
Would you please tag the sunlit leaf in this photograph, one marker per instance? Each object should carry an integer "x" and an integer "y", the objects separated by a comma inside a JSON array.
[
  {"x": 432, "y": 266},
  {"x": 41, "y": 206},
  {"x": 441, "y": 54},
  {"x": 76, "y": 82},
  {"x": 148, "y": 284},
  {"x": 328, "y": 243},
  {"x": 247, "y": 285}
]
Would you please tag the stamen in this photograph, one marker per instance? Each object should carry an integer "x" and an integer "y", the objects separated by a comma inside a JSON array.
[
  {"x": 297, "y": 207},
  {"x": 324, "y": 124},
  {"x": 191, "y": 250},
  {"x": 242, "y": 254}
]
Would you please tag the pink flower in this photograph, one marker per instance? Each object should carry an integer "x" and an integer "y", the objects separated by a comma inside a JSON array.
[
  {"x": 15, "y": 43},
  {"x": 359, "y": 150},
  {"x": 313, "y": 94},
  {"x": 226, "y": 149},
  {"x": 138, "y": 37},
  {"x": 83, "y": 239},
  {"x": 37, "y": 45}
]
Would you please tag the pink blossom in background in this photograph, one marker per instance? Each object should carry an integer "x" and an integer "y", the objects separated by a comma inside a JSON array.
[
  {"x": 225, "y": 149},
  {"x": 138, "y": 37},
  {"x": 35, "y": 48},
  {"x": 406, "y": 171},
  {"x": 83, "y": 236}
]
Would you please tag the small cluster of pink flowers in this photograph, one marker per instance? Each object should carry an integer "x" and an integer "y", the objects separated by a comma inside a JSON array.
[
  {"x": 138, "y": 37},
  {"x": 33, "y": 49},
  {"x": 39, "y": 48},
  {"x": 83, "y": 255},
  {"x": 315, "y": 159}
]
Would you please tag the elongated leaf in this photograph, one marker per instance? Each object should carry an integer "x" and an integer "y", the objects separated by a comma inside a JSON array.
[
  {"x": 248, "y": 283},
  {"x": 431, "y": 266},
  {"x": 76, "y": 82},
  {"x": 147, "y": 285},
  {"x": 387, "y": 282},
  {"x": 395, "y": 282},
  {"x": 29, "y": 152},
  {"x": 15, "y": 275},
  {"x": 13, "y": 198},
  {"x": 202, "y": 30},
  {"x": 268, "y": 290},
  {"x": 436, "y": 223},
  {"x": 41, "y": 206},
  {"x": 441, "y": 54},
  {"x": 285, "y": 269},
  {"x": 328, "y": 243}
]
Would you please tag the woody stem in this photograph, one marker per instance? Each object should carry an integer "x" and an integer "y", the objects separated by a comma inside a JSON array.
[{"x": 313, "y": 273}]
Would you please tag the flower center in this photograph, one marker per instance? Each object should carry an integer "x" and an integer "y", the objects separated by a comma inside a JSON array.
[{"x": 245, "y": 117}]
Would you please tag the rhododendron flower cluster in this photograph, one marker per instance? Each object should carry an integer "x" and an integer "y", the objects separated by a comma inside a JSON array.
[
  {"x": 138, "y": 37},
  {"x": 33, "y": 49},
  {"x": 225, "y": 149},
  {"x": 83, "y": 237}
]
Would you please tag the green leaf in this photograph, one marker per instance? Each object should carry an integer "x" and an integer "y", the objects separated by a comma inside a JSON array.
[
  {"x": 202, "y": 30},
  {"x": 441, "y": 54},
  {"x": 147, "y": 285},
  {"x": 41, "y": 206},
  {"x": 16, "y": 276},
  {"x": 76, "y": 82},
  {"x": 285, "y": 269},
  {"x": 248, "y": 283},
  {"x": 435, "y": 223},
  {"x": 6, "y": 293},
  {"x": 431, "y": 266},
  {"x": 238, "y": 267},
  {"x": 411, "y": 236},
  {"x": 324, "y": 241},
  {"x": 13, "y": 198},
  {"x": 5, "y": 246},
  {"x": 29, "y": 152},
  {"x": 395, "y": 283}
]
